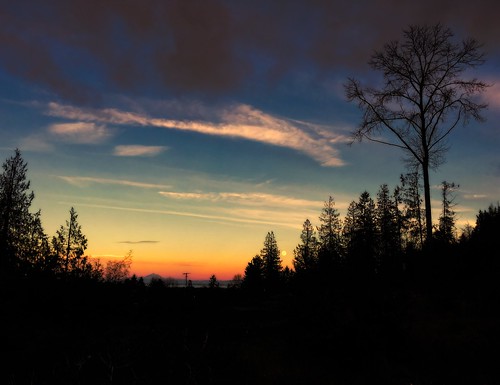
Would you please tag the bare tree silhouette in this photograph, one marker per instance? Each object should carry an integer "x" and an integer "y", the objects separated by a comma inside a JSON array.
[{"x": 424, "y": 96}]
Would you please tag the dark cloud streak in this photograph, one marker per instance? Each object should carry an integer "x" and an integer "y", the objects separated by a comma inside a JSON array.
[{"x": 81, "y": 48}]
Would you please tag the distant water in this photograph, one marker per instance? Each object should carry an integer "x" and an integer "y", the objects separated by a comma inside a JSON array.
[
  {"x": 182, "y": 282},
  {"x": 202, "y": 283}
]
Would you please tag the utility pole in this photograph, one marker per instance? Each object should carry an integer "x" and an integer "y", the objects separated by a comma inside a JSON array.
[{"x": 186, "y": 275}]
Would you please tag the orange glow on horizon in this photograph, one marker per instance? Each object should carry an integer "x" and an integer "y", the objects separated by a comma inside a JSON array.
[
  {"x": 198, "y": 270},
  {"x": 176, "y": 271}
]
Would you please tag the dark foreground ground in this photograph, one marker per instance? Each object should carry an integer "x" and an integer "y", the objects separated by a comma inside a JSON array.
[{"x": 61, "y": 333}]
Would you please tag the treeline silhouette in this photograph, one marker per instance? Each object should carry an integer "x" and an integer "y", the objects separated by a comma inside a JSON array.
[
  {"x": 383, "y": 241},
  {"x": 370, "y": 299}
]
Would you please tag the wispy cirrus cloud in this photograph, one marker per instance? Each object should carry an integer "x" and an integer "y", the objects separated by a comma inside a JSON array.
[
  {"x": 240, "y": 121},
  {"x": 492, "y": 95},
  {"x": 36, "y": 142},
  {"x": 475, "y": 196},
  {"x": 138, "y": 150},
  {"x": 72, "y": 132},
  {"x": 80, "y": 132},
  {"x": 243, "y": 198},
  {"x": 246, "y": 209},
  {"x": 227, "y": 216},
  {"x": 82, "y": 181},
  {"x": 138, "y": 242}
]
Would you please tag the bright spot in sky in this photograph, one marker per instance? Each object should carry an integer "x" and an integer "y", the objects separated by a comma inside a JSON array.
[{"x": 283, "y": 253}]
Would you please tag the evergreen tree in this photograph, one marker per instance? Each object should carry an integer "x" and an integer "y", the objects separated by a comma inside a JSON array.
[
  {"x": 329, "y": 237},
  {"x": 271, "y": 260},
  {"x": 306, "y": 253},
  {"x": 253, "y": 278},
  {"x": 69, "y": 245},
  {"x": 487, "y": 226},
  {"x": 447, "y": 229},
  {"x": 412, "y": 215},
  {"x": 349, "y": 228},
  {"x": 213, "y": 283},
  {"x": 34, "y": 248},
  {"x": 484, "y": 237},
  {"x": 22, "y": 240},
  {"x": 361, "y": 236},
  {"x": 389, "y": 237}
]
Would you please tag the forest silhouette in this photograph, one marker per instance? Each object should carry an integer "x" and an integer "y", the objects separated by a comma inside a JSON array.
[
  {"x": 369, "y": 299},
  {"x": 379, "y": 295}
]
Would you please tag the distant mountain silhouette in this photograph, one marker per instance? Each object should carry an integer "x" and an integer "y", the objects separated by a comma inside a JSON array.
[{"x": 148, "y": 278}]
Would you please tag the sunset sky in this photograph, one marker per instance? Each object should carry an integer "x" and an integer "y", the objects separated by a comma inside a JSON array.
[{"x": 186, "y": 130}]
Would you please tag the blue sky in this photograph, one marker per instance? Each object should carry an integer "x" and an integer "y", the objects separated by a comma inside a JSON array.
[{"x": 186, "y": 130}]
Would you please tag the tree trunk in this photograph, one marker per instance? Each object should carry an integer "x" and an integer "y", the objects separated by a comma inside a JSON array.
[
  {"x": 5, "y": 241},
  {"x": 427, "y": 200},
  {"x": 70, "y": 233}
]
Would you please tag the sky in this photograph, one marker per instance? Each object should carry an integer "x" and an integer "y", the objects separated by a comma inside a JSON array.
[{"x": 185, "y": 131}]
